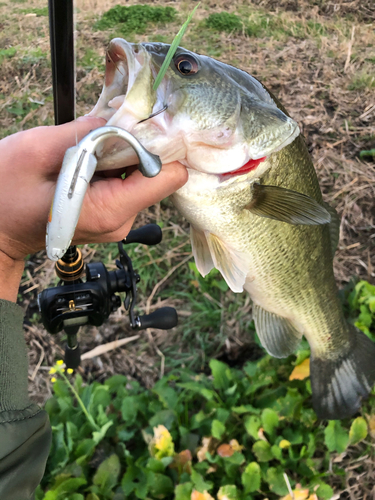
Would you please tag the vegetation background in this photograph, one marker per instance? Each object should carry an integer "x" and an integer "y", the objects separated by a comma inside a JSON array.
[{"x": 318, "y": 57}]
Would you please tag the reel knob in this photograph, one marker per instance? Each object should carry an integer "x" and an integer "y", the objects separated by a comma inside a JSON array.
[{"x": 164, "y": 318}]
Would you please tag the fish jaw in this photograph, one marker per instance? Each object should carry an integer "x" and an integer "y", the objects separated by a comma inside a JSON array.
[{"x": 126, "y": 99}]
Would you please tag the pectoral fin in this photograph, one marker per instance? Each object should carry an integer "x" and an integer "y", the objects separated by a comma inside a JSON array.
[
  {"x": 232, "y": 264},
  {"x": 277, "y": 335},
  {"x": 201, "y": 252},
  {"x": 286, "y": 205}
]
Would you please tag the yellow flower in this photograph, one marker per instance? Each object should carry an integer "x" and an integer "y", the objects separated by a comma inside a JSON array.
[
  {"x": 60, "y": 362},
  {"x": 70, "y": 371},
  {"x": 53, "y": 380},
  {"x": 284, "y": 444},
  {"x": 63, "y": 370},
  {"x": 162, "y": 445},
  {"x": 52, "y": 371}
]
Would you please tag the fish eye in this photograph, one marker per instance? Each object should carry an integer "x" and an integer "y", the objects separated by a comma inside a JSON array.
[{"x": 186, "y": 64}]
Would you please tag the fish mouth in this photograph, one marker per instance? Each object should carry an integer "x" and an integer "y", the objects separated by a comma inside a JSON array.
[
  {"x": 123, "y": 63},
  {"x": 260, "y": 151},
  {"x": 126, "y": 100}
]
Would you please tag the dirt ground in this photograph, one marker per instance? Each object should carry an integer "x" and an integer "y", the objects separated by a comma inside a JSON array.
[{"x": 325, "y": 77}]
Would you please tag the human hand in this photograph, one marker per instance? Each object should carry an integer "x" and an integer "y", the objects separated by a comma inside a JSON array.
[{"x": 30, "y": 162}]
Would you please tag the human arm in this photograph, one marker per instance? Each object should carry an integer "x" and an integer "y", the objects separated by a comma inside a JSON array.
[{"x": 29, "y": 166}]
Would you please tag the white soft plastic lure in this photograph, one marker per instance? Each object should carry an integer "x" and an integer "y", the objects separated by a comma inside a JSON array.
[{"x": 76, "y": 172}]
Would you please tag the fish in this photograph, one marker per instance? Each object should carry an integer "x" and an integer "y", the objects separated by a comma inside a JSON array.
[{"x": 252, "y": 199}]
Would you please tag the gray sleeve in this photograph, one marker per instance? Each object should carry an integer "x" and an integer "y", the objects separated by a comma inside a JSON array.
[{"x": 25, "y": 433}]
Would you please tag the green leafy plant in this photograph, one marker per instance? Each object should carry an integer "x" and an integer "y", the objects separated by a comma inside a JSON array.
[
  {"x": 362, "y": 300},
  {"x": 135, "y": 18},
  {"x": 223, "y": 21},
  {"x": 192, "y": 437}
]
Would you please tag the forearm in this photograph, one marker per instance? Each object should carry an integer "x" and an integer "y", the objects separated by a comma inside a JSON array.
[
  {"x": 25, "y": 434},
  {"x": 10, "y": 276}
]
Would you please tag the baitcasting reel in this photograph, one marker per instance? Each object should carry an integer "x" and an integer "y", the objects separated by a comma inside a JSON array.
[{"x": 74, "y": 302}]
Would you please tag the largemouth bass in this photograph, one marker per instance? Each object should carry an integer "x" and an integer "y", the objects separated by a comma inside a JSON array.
[{"x": 253, "y": 202}]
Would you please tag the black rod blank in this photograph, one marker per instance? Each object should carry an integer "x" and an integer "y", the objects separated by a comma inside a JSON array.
[{"x": 62, "y": 59}]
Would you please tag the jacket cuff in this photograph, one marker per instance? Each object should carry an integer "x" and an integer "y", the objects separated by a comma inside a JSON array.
[{"x": 13, "y": 358}]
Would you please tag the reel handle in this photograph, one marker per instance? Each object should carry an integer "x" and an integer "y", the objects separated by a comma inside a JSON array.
[
  {"x": 72, "y": 357},
  {"x": 164, "y": 318},
  {"x": 150, "y": 234}
]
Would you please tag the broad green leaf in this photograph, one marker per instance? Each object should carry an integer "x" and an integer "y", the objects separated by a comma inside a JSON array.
[
  {"x": 92, "y": 496},
  {"x": 228, "y": 492},
  {"x": 71, "y": 435},
  {"x": 262, "y": 450},
  {"x": 69, "y": 486},
  {"x": 199, "y": 483},
  {"x": 324, "y": 492},
  {"x": 270, "y": 420},
  {"x": 219, "y": 370},
  {"x": 155, "y": 465},
  {"x": 358, "y": 430},
  {"x": 336, "y": 438},
  {"x": 245, "y": 409},
  {"x": 163, "y": 417},
  {"x": 183, "y": 491},
  {"x": 217, "y": 429},
  {"x": 196, "y": 387},
  {"x": 129, "y": 409},
  {"x": 106, "y": 476},
  {"x": 172, "y": 49},
  {"x": 276, "y": 481},
  {"x": 277, "y": 452},
  {"x": 252, "y": 426},
  {"x": 167, "y": 395},
  {"x": 85, "y": 448},
  {"x": 251, "y": 477},
  {"x": 159, "y": 485},
  {"x": 97, "y": 436}
]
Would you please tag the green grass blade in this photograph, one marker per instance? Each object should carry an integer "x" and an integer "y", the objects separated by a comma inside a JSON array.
[{"x": 173, "y": 48}]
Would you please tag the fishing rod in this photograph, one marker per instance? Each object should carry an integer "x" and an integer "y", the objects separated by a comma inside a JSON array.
[{"x": 76, "y": 301}]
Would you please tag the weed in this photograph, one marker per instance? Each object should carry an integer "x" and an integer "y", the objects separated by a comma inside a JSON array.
[
  {"x": 91, "y": 59},
  {"x": 39, "y": 12},
  {"x": 135, "y": 18},
  {"x": 234, "y": 431},
  {"x": 362, "y": 298},
  {"x": 7, "y": 53},
  {"x": 223, "y": 21},
  {"x": 363, "y": 80}
]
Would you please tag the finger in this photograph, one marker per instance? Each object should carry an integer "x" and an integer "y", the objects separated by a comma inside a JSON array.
[
  {"x": 46, "y": 146},
  {"x": 110, "y": 203}
]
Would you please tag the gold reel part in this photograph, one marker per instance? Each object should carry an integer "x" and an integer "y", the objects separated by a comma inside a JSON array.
[{"x": 70, "y": 267}]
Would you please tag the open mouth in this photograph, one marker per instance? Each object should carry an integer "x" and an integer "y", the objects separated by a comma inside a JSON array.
[{"x": 126, "y": 64}]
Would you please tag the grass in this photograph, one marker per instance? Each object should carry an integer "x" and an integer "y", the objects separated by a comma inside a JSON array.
[
  {"x": 135, "y": 18},
  {"x": 363, "y": 80}
]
